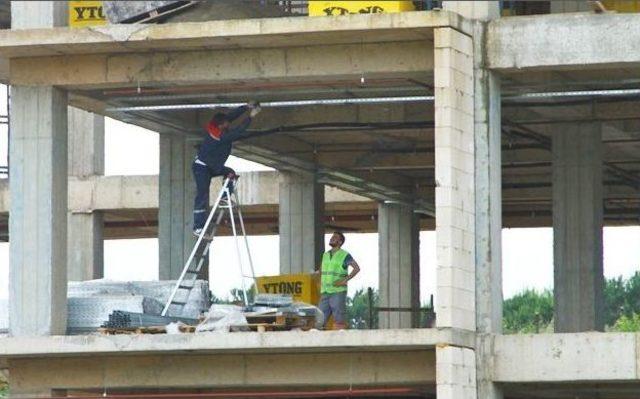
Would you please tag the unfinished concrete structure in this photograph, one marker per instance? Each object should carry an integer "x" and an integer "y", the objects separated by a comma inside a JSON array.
[{"x": 490, "y": 144}]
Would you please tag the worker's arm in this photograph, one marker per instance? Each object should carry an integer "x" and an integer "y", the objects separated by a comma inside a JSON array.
[
  {"x": 236, "y": 132},
  {"x": 240, "y": 131},
  {"x": 237, "y": 113},
  {"x": 355, "y": 269}
]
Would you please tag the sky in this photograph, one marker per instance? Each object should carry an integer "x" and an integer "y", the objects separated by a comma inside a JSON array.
[{"x": 527, "y": 254}]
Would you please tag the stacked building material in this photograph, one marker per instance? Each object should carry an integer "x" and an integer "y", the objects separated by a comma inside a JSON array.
[
  {"x": 88, "y": 314},
  {"x": 120, "y": 319},
  {"x": 198, "y": 302}
]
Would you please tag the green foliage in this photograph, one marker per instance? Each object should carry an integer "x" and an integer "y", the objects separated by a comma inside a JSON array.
[
  {"x": 532, "y": 312},
  {"x": 4, "y": 387},
  {"x": 528, "y": 312},
  {"x": 358, "y": 308},
  {"x": 627, "y": 323},
  {"x": 622, "y": 298}
]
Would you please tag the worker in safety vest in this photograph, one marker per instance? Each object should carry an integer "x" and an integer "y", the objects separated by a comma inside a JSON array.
[
  {"x": 334, "y": 277},
  {"x": 214, "y": 152}
]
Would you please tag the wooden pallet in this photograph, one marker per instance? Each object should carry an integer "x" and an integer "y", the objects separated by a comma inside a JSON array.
[
  {"x": 275, "y": 322},
  {"x": 259, "y": 327},
  {"x": 144, "y": 330}
]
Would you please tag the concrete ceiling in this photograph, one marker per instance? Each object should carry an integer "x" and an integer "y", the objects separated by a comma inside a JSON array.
[{"x": 383, "y": 151}]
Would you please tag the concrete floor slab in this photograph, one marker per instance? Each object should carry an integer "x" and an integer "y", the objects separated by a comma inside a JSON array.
[{"x": 246, "y": 343}]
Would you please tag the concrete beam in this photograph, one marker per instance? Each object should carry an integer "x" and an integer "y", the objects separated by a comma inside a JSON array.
[
  {"x": 194, "y": 67},
  {"x": 247, "y": 33},
  {"x": 141, "y": 192},
  {"x": 575, "y": 358},
  {"x": 589, "y": 41},
  {"x": 224, "y": 343},
  {"x": 298, "y": 371}
]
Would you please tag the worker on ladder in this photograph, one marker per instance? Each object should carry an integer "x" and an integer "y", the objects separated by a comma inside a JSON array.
[{"x": 214, "y": 152}]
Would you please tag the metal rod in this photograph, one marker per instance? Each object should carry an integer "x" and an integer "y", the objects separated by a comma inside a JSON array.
[
  {"x": 246, "y": 241},
  {"x": 373, "y": 100},
  {"x": 239, "y": 253},
  {"x": 276, "y": 104}
]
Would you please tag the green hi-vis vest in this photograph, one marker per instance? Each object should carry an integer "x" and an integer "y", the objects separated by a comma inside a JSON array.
[{"x": 332, "y": 271}]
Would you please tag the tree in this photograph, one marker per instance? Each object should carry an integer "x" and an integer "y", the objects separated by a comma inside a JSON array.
[
  {"x": 528, "y": 312},
  {"x": 359, "y": 309}
]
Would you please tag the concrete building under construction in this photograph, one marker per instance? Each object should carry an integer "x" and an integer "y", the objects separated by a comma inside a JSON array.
[{"x": 463, "y": 117}]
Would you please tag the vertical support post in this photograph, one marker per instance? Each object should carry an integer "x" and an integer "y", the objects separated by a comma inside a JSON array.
[
  {"x": 38, "y": 221},
  {"x": 38, "y": 187},
  {"x": 398, "y": 243},
  {"x": 175, "y": 216},
  {"x": 488, "y": 218},
  {"x": 455, "y": 190},
  {"x": 455, "y": 208},
  {"x": 86, "y": 230},
  {"x": 301, "y": 225},
  {"x": 577, "y": 227}
]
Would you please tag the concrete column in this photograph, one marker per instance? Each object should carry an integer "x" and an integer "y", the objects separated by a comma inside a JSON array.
[
  {"x": 301, "y": 226},
  {"x": 488, "y": 218},
  {"x": 562, "y": 6},
  {"x": 85, "y": 231},
  {"x": 177, "y": 192},
  {"x": 577, "y": 227},
  {"x": 455, "y": 373},
  {"x": 38, "y": 186},
  {"x": 38, "y": 14},
  {"x": 38, "y": 222},
  {"x": 454, "y": 169},
  {"x": 398, "y": 243},
  {"x": 478, "y": 10}
]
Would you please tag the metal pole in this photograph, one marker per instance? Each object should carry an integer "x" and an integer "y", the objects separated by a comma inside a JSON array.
[
  {"x": 246, "y": 241},
  {"x": 276, "y": 104},
  {"x": 370, "y": 298},
  {"x": 239, "y": 253},
  {"x": 374, "y": 100}
]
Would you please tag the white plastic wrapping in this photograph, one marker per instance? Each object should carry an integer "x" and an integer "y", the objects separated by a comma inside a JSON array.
[{"x": 221, "y": 317}]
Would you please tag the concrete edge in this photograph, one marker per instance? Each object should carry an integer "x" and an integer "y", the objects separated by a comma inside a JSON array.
[
  {"x": 247, "y": 342},
  {"x": 102, "y": 39}
]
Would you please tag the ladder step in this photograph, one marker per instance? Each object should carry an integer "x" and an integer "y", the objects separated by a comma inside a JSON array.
[
  {"x": 186, "y": 287},
  {"x": 174, "y": 302}
]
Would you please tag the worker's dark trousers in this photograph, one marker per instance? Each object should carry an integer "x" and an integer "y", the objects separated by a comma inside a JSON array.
[{"x": 203, "y": 175}]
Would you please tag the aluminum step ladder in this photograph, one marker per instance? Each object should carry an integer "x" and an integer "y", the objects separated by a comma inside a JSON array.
[{"x": 225, "y": 204}]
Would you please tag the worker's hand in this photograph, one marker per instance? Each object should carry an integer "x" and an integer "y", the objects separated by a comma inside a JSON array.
[
  {"x": 340, "y": 283},
  {"x": 253, "y": 104},
  {"x": 255, "y": 111}
]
